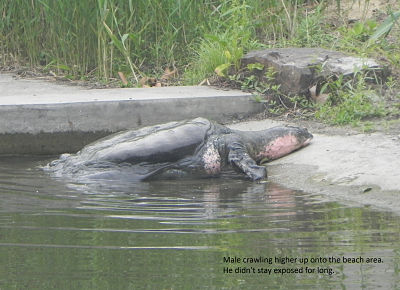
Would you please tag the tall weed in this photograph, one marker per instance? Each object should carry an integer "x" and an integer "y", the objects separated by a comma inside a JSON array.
[
  {"x": 136, "y": 37},
  {"x": 72, "y": 35},
  {"x": 224, "y": 45}
]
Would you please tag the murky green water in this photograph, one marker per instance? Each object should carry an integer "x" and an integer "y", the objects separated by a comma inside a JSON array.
[{"x": 175, "y": 235}]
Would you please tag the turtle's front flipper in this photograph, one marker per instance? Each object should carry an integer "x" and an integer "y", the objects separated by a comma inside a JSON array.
[{"x": 241, "y": 161}]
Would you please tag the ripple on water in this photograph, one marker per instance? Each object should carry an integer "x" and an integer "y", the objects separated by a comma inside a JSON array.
[{"x": 153, "y": 221}]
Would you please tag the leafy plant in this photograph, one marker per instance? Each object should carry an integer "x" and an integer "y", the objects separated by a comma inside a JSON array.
[
  {"x": 384, "y": 29},
  {"x": 261, "y": 82},
  {"x": 349, "y": 101},
  {"x": 354, "y": 38},
  {"x": 362, "y": 30},
  {"x": 223, "y": 48},
  {"x": 120, "y": 44},
  {"x": 255, "y": 66}
]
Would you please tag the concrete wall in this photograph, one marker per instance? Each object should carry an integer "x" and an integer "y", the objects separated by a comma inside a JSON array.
[{"x": 52, "y": 128}]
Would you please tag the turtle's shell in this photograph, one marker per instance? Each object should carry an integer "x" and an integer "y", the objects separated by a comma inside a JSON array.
[{"x": 168, "y": 142}]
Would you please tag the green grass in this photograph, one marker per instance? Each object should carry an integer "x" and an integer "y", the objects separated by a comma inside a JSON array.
[
  {"x": 224, "y": 47},
  {"x": 73, "y": 35},
  {"x": 350, "y": 101},
  {"x": 99, "y": 38},
  {"x": 102, "y": 37}
]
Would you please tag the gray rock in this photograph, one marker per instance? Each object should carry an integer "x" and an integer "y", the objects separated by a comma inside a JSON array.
[{"x": 299, "y": 69}]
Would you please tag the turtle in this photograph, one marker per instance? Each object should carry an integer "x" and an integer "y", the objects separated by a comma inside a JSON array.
[{"x": 191, "y": 148}]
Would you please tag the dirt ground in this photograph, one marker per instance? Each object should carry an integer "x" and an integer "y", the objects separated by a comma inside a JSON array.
[{"x": 356, "y": 10}]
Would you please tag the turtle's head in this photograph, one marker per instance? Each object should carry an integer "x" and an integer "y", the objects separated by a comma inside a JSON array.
[
  {"x": 302, "y": 135},
  {"x": 280, "y": 141}
]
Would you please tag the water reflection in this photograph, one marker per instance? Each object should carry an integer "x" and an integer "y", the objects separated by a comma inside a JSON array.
[{"x": 170, "y": 234}]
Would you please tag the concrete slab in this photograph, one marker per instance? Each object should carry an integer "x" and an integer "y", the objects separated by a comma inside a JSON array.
[
  {"x": 34, "y": 92},
  {"x": 38, "y": 117}
]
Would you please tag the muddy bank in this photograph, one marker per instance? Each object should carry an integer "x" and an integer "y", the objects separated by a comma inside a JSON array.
[{"x": 352, "y": 167}]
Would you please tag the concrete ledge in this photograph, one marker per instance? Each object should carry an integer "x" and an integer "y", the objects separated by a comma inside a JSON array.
[
  {"x": 36, "y": 120},
  {"x": 46, "y": 143}
]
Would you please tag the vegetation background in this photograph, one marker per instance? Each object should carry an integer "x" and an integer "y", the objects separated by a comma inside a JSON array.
[{"x": 136, "y": 42}]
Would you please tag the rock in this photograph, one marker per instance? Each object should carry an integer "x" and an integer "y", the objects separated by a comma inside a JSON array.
[{"x": 299, "y": 69}]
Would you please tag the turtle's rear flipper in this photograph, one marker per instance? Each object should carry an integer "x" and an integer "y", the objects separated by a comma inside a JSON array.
[
  {"x": 166, "y": 173},
  {"x": 169, "y": 170}
]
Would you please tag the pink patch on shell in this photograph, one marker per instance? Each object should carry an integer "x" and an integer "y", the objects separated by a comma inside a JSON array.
[
  {"x": 212, "y": 160},
  {"x": 279, "y": 147}
]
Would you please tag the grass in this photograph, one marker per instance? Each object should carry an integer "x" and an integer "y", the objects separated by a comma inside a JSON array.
[
  {"x": 225, "y": 46},
  {"x": 142, "y": 38},
  {"x": 350, "y": 106},
  {"x": 84, "y": 36},
  {"x": 138, "y": 37}
]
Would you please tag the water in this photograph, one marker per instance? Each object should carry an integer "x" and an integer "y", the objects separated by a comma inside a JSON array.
[{"x": 56, "y": 234}]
